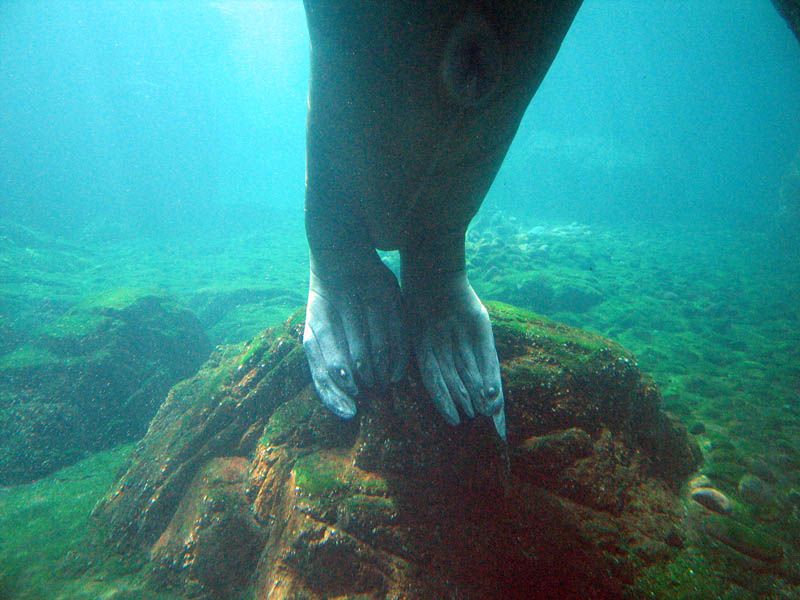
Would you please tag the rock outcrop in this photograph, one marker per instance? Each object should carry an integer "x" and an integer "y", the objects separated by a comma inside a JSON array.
[
  {"x": 92, "y": 379},
  {"x": 245, "y": 484}
]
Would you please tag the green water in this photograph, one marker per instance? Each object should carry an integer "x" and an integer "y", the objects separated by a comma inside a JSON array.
[
  {"x": 712, "y": 314},
  {"x": 652, "y": 195}
]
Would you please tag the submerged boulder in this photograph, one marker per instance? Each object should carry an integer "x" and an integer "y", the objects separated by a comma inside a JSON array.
[
  {"x": 92, "y": 379},
  {"x": 245, "y": 484}
]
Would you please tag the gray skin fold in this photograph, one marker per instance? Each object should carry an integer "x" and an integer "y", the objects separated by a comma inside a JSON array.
[{"x": 412, "y": 108}]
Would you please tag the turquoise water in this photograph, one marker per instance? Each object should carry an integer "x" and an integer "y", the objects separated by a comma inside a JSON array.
[{"x": 652, "y": 194}]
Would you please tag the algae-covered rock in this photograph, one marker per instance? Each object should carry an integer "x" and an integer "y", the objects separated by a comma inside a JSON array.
[
  {"x": 92, "y": 379},
  {"x": 749, "y": 542},
  {"x": 396, "y": 503}
]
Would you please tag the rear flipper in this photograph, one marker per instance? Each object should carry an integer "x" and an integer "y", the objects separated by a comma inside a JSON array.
[
  {"x": 454, "y": 343},
  {"x": 353, "y": 335}
]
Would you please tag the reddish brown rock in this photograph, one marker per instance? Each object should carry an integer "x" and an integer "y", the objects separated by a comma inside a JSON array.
[{"x": 245, "y": 484}]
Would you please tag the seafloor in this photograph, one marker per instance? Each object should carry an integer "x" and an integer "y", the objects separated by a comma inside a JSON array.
[{"x": 711, "y": 312}]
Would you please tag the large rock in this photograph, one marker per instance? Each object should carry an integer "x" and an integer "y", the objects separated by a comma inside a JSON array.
[
  {"x": 245, "y": 484},
  {"x": 92, "y": 379}
]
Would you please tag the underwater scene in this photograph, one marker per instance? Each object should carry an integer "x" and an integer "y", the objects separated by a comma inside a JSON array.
[{"x": 250, "y": 252}]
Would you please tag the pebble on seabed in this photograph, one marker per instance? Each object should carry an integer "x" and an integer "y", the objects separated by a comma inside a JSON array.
[
  {"x": 754, "y": 490},
  {"x": 712, "y": 499}
]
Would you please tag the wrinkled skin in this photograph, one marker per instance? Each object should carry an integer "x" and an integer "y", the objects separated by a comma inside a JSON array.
[
  {"x": 354, "y": 341},
  {"x": 455, "y": 350},
  {"x": 412, "y": 107}
]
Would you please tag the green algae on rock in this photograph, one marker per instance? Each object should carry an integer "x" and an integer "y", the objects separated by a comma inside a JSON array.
[
  {"x": 396, "y": 502},
  {"x": 92, "y": 379},
  {"x": 743, "y": 539}
]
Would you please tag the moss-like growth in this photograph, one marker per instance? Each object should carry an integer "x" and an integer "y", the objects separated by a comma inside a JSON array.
[
  {"x": 725, "y": 473},
  {"x": 320, "y": 475},
  {"x": 118, "y": 298},
  {"x": 76, "y": 324},
  {"x": 92, "y": 378},
  {"x": 520, "y": 331},
  {"x": 286, "y": 417},
  {"x": 372, "y": 486},
  {"x": 256, "y": 349},
  {"x": 688, "y": 577},
  {"x": 29, "y": 356},
  {"x": 42, "y": 525},
  {"x": 745, "y": 540},
  {"x": 370, "y": 509}
]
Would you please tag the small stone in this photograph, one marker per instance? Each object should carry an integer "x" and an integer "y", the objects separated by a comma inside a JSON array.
[
  {"x": 754, "y": 490},
  {"x": 759, "y": 467},
  {"x": 726, "y": 470},
  {"x": 697, "y": 429},
  {"x": 712, "y": 499}
]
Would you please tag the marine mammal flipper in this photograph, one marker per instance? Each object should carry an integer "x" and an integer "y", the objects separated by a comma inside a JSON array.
[
  {"x": 454, "y": 346},
  {"x": 412, "y": 107},
  {"x": 353, "y": 337}
]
